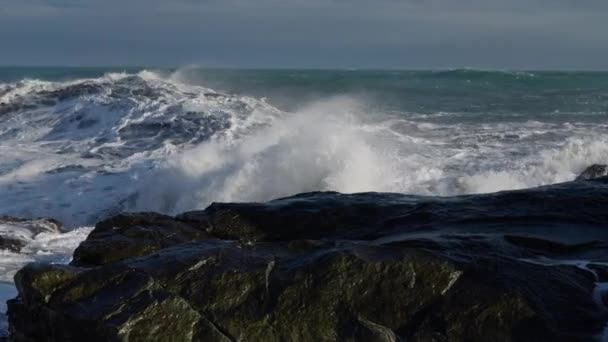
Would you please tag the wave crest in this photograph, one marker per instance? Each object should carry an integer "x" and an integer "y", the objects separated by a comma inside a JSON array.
[
  {"x": 85, "y": 149},
  {"x": 323, "y": 147}
]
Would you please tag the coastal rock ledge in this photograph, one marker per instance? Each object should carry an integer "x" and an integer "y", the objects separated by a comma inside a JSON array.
[{"x": 332, "y": 267}]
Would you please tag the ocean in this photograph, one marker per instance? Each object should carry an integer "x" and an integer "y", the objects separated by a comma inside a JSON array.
[{"x": 81, "y": 144}]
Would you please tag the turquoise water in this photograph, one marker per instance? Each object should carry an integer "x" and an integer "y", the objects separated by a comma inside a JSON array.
[{"x": 480, "y": 95}]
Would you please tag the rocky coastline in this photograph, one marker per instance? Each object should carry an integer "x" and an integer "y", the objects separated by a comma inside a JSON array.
[{"x": 525, "y": 265}]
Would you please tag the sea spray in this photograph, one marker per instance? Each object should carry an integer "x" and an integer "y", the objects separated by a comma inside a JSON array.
[{"x": 84, "y": 149}]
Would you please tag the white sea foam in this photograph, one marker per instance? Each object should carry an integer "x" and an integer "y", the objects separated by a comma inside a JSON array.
[
  {"x": 45, "y": 246},
  {"x": 81, "y": 150},
  {"x": 550, "y": 166},
  {"x": 42, "y": 245},
  {"x": 84, "y": 149},
  {"x": 323, "y": 147},
  {"x": 330, "y": 146}
]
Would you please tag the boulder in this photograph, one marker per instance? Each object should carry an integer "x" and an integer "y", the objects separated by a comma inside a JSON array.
[
  {"x": 307, "y": 216},
  {"x": 219, "y": 291},
  {"x": 331, "y": 267},
  {"x": 131, "y": 235}
]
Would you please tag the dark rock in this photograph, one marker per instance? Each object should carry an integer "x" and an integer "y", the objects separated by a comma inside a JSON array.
[
  {"x": 15, "y": 233},
  {"x": 145, "y": 314},
  {"x": 307, "y": 216},
  {"x": 594, "y": 171},
  {"x": 132, "y": 235},
  {"x": 35, "y": 226},
  {"x": 40, "y": 281},
  {"x": 601, "y": 271},
  {"x": 222, "y": 291},
  {"x": 11, "y": 244},
  {"x": 545, "y": 246},
  {"x": 331, "y": 267}
]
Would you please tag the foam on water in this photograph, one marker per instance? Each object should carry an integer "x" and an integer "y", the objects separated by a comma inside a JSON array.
[
  {"x": 72, "y": 150},
  {"x": 84, "y": 149},
  {"x": 45, "y": 245},
  {"x": 330, "y": 146}
]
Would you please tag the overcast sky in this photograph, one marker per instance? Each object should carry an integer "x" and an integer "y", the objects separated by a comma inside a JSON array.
[{"x": 499, "y": 34}]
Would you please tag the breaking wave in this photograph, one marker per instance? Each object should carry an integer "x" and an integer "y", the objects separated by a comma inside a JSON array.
[{"x": 84, "y": 149}]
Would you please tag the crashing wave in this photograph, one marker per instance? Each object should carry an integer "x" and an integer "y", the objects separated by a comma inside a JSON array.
[{"x": 84, "y": 149}]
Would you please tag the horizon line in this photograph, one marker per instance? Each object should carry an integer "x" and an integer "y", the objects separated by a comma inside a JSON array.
[{"x": 292, "y": 68}]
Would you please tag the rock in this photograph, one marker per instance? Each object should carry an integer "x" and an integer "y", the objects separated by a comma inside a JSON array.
[
  {"x": 40, "y": 281},
  {"x": 222, "y": 291},
  {"x": 306, "y": 216},
  {"x": 34, "y": 226},
  {"x": 548, "y": 247},
  {"x": 16, "y": 233},
  {"x": 330, "y": 267},
  {"x": 594, "y": 171},
  {"x": 146, "y": 312},
  {"x": 11, "y": 244},
  {"x": 132, "y": 235}
]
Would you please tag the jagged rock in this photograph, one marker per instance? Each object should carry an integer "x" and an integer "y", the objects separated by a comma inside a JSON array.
[
  {"x": 330, "y": 267},
  {"x": 594, "y": 171},
  {"x": 131, "y": 235}
]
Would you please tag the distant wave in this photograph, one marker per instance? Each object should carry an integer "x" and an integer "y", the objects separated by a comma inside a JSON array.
[{"x": 482, "y": 73}]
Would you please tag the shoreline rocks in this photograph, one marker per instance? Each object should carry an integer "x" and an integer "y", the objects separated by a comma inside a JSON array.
[{"x": 333, "y": 267}]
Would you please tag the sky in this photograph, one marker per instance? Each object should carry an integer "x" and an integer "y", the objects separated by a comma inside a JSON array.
[{"x": 400, "y": 34}]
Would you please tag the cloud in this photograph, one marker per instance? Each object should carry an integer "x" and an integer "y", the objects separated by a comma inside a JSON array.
[{"x": 311, "y": 33}]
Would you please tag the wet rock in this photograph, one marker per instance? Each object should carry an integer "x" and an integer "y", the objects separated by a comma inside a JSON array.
[
  {"x": 548, "y": 247},
  {"x": 132, "y": 235},
  {"x": 217, "y": 291},
  {"x": 323, "y": 267},
  {"x": 15, "y": 233},
  {"x": 77, "y": 310},
  {"x": 307, "y": 216},
  {"x": 11, "y": 244},
  {"x": 594, "y": 171},
  {"x": 40, "y": 281},
  {"x": 35, "y": 226}
]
